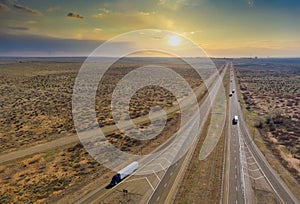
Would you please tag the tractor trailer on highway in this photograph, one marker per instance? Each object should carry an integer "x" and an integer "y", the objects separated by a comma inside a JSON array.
[{"x": 123, "y": 173}]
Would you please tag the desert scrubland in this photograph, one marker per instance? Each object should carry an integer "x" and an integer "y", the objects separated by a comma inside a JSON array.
[
  {"x": 271, "y": 91},
  {"x": 36, "y": 107}
]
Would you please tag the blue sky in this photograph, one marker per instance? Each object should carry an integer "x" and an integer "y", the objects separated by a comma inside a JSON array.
[{"x": 221, "y": 27}]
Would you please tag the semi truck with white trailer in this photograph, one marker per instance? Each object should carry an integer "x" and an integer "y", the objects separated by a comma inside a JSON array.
[{"x": 123, "y": 173}]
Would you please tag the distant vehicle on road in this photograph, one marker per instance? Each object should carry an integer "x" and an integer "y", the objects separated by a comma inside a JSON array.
[
  {"x": 123, "y": 173},
  {"x": 235, "y": 120},
  {"x": 233, "y": 90},
  {"x": 230, "y": 94}
]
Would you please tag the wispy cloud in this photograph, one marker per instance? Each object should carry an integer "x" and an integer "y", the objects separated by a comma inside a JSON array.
[
  {"x": 4, "y": 7},
  {"x": 177, "y": 4},
  {"x": 18, "y": 28},
  {"x": 102, "y": 12},
  {"x": 99, "y": 15},
  {"x": 250, "y": 3},
  {"x": 192, "y": 32},
  {"x": 31, "y": 22},
  {"x": 75, "y": 15},
  {"x": 144, "y": 13},
  {"x": 26, "y": 9},
  {"x": 172, "y": 5},
  {"x": 53, "y": 9}
]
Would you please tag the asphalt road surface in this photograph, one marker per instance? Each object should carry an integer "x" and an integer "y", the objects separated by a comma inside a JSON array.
[{"x": 236, "y": 183}]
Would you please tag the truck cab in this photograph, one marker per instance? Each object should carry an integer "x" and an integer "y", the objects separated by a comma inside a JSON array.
[{"x": 115, "y": 180}]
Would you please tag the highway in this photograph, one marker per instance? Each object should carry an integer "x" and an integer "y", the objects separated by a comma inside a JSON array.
[
  {"x": 169, "y": 183},
  {"x": 158, "y": 186},
  {"x": 235, "y": 181},
  {"x": 245, "y": 165}
]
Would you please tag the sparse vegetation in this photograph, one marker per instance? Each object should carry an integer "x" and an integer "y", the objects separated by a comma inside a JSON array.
[
  {"x": 36, "y": 102},
  {"x": 36, "y": 108},
  {"x": 44, "y": 175},
  {"x": 271, "y": 92}
]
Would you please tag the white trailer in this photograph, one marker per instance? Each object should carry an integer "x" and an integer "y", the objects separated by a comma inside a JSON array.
[{"x": 128, "y": 169}]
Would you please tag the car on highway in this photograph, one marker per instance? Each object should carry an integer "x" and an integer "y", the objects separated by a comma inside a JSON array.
[
  {"x": 233, "y": 90},
  {"x": 235, "y": 120}
]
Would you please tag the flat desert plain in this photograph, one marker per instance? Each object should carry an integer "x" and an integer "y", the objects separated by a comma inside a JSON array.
[
  {"x": 271, "y": 91},
  {"x": 36, "y": 107}
]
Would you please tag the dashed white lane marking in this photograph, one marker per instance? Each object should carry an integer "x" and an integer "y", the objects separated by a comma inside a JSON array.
[
  {"x": 165, "y": 184},
  {"x": 158, "y": 198},
  {"x": 235, "y": 166},
  {"x": 236, "y": 188},
  {"x": 235, "y": 176},
  {"x": 234, "y": 158}
]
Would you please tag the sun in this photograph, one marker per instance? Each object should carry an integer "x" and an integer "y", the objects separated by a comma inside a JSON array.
[{"x": 174, "y": 40}]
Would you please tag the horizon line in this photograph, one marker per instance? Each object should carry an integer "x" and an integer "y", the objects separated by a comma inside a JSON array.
[{"x": 215, "y": 57}]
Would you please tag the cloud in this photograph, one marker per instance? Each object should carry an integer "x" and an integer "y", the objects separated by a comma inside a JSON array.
[
  {"x": 177, "y": 4},
  {"x": 99, "y": 15},
  {"x": 192, "y": 32},
  {"x": 24, "y": 8},
  {"x": 103, "y": 12},
  {"x": 74, "y": 15},
  {"x": 250, "y": 3},
  {"x": 4, "y": 7},
  {"x": 18, "y": 28},
  {"x": 172, "y": 5},
  {"x": 144, "y": 13},
  {"x": 54, "y": 8},
  {"x": 31, "y": 22}
]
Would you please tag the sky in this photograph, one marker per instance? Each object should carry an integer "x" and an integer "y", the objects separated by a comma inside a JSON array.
[{"x": 223, "y": 28}]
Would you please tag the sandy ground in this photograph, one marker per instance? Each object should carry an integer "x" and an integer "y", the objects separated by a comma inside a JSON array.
[
  {"x": 271, "y": 91},
  {"x": 36, "y": 108},
  {"x": 36, "y": 103},
  {"x": 41, "y": 176}
]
